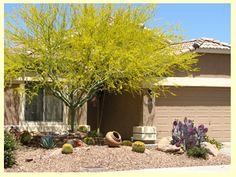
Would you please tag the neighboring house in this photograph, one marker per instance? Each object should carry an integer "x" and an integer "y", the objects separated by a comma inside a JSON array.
[{"x": 204, "y": 97}]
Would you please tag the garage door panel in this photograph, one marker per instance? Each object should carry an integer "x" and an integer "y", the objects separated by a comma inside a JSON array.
[
  {"x": 208, "y": 106},
  {"x": 217, "y": 124}
]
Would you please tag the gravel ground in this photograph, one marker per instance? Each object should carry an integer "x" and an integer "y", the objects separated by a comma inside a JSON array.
[{"x": 103, "y": 158}]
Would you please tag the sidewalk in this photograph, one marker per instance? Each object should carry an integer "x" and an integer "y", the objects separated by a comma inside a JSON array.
[
  {"x": 226, "y": 149},
  {"x": 198, "y": 169}
]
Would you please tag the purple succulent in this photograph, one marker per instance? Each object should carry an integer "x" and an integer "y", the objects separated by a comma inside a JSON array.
[
  {"x": 175, "y": 123},
  {"x": 201, "y": 127},
  {"x": 191, "y": 131},
  {"x": 185, "y": 120},
  {"x": 205, "y": 130},
  {"x": 180, "y": 124},
  {"x": 178, "y": 144},
  {"x": 186, "y": 134}
]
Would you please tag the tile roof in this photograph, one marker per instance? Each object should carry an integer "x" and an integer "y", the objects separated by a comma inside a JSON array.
[{"x": 203, "y": 43}]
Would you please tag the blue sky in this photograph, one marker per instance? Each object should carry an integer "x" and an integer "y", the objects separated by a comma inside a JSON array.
[{"x": 196, "y": 20}]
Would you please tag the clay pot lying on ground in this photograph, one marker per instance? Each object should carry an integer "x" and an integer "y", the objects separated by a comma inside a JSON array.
[{"x": 113, "y": 139}]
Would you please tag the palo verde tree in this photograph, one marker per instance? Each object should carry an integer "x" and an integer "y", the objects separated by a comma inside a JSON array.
[{"x": 77, "y": 50}]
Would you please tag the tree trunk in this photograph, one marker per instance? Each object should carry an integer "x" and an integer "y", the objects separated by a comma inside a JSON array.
[{"x": 72, "y": 112}]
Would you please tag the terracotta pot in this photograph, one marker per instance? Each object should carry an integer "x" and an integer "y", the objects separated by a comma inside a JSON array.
[{"x": 113, "y": 139}]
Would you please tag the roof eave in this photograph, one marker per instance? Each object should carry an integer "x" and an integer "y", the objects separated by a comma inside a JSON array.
[{"x": 213, "y": 50}]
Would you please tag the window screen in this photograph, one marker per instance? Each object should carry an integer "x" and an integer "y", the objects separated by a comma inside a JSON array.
[
  {"x": 34, "y": 107},
  {"x": 43, "y": 107},
  {"x": 53, "y": 108}
]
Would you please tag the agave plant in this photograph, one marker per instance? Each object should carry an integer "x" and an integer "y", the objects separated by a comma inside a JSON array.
[
  {"x": 47, "y": 142},
  {"x": 187, "y": 135}
]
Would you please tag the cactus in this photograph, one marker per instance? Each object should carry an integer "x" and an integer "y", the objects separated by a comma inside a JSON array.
[
  {"x": 187, "y": 135},
  {"x": 126, "y": 143},
  {"x": 89, "y": 140},
  {"x": 67, "y": 148},
  {"x": 47, "y": 142},
  {"x": 138, "y": 146},
  {"x": 83, "y": 129}
]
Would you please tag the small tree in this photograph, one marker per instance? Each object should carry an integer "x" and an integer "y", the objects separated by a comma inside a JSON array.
[{"x": 79, "y": 49}]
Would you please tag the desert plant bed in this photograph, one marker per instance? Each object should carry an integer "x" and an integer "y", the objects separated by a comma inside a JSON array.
[{"x": 103, "y": 158}]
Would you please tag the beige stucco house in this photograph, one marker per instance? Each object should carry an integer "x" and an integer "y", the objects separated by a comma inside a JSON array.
[{"x": 203, "y": 96}]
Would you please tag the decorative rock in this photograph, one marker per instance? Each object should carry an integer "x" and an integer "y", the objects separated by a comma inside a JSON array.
[
  {"x": 56, "y": 133},
  {"x": 209, "y": 156},
  {"x": 211, "y": 148},
  {"x": 78, "y": 143},
  {"x": 165, "y": 146},
  {"x": 71, "y": 142},
  {"x": 29, "y": 160},
  {"x": 64, "y": 133}
]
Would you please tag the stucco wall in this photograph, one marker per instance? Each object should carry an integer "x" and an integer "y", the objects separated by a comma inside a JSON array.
[
  {"x": 14, "y": 114},
  {"x": 11, "y": 106},
  {"x": 211, "y": 65}
]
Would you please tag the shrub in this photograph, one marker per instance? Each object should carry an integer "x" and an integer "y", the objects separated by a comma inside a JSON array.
[
  {"x": 25, "y": 137},
  {"x": 94, "y": 134},
  {"x": 9, "y": 147},
  {"x": 15, "y": 131},
  {"x": 126, "y": 143},
  {"x": 67, "y": 148},
  {"x": 47, "y": 142},
  {"x": 186, "y": 135},
  {"x": 138, "y": 146},
  {"x": 199, "y": 152},
  {"x": 89, "y": 140},
  {"x": 218, "y": 144}
]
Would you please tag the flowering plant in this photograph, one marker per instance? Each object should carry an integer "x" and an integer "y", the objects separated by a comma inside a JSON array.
[{"x": 186, "y": 135}]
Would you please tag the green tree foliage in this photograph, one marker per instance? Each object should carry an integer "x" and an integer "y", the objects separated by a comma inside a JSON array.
[{"x": 78, "y": 49}]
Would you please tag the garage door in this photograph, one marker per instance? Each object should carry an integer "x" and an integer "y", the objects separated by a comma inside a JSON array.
[{"x": 208, "y": 106}]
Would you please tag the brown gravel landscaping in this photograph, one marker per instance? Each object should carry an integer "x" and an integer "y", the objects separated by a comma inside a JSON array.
[{"x": 103, "y": 158}]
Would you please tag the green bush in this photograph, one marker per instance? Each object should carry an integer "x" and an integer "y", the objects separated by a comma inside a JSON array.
[
  {"x": 126, "y": 143},
  {"x": 138, "y": 146},
  {"x": 94, "y": 134},
  {"x": 9, "y": 147},
  {"x": 199, "y": 152},
  {"x": 25, "y": 138},
  {"x": 89, "y": 140},
  {"x": 67, "y": 148},
  {"x": 218, "y": 144}
]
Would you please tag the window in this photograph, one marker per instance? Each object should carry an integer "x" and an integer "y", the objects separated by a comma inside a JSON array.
[{"x": 44, "y": 107}]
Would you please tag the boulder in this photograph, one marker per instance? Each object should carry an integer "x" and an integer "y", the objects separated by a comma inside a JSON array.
[
  {"x": 211, "y": 148},
  {"x": 165, "y": 146},
  {"x": 70, "y": 141}
]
